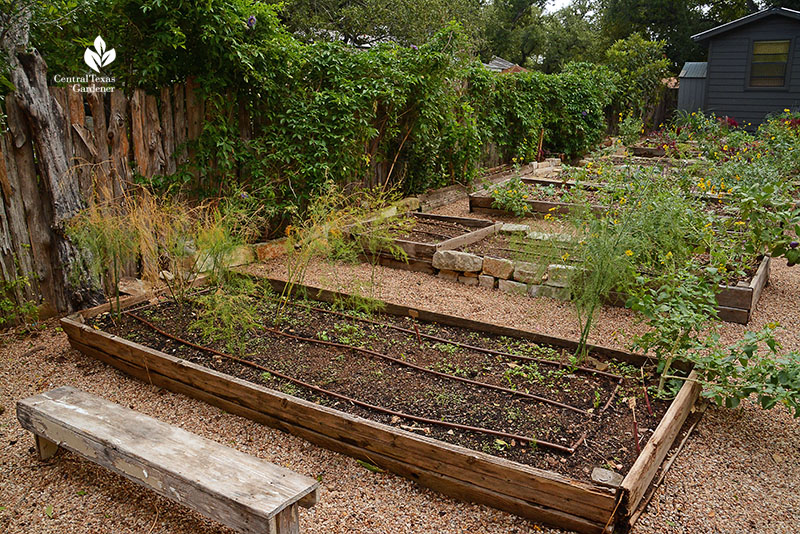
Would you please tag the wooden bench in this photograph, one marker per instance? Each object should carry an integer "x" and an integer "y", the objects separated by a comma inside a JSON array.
[{"x": 238, "y": 490}]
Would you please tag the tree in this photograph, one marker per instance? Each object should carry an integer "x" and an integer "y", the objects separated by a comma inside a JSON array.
[
  {"x": 365, "y": 22},
  {"x": 671, "y": 21},
  {"x": 572, "y": 35},
  {"x": 514, "y": 30},
  {"x": 641, "y": 66}
]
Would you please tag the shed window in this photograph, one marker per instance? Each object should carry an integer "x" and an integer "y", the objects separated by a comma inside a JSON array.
[{"x": 768, "y": 67}]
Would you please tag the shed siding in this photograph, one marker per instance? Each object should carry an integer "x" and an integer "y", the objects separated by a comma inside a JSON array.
[
  {"x": 691, "y": 94},
  {"x": 727, "y": 91}
]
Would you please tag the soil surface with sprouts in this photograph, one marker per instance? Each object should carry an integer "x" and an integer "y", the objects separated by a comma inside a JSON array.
[
  {"x": 420, "y": 230},
  {"x": 583, "y": 408}
]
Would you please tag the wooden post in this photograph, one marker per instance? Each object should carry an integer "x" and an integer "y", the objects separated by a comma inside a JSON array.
[
  {"x": 168, "y": 129},
  {"x": 84, "y": 148},
  {"x": 156, "y": 160},
  {"x": 137, "y": 132},
  {"x": 45, "y": 447},
  {"x": 120, "y": 146},
  {"x": 180, "y": 124},
  {"x": 102, "y": 169}
]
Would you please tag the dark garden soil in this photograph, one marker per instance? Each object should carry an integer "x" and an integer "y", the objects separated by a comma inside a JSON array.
[
  {"x": 599, "y": 423},
  {"x": 431, "y": 230}
]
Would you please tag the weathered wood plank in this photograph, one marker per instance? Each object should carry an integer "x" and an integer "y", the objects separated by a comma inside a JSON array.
[
  {"x": 470, "y": 238},
  {"x": 427, "y": 471},
  {"x": 413, "y": 264},
  {"x": 15, "y": 244},
  {"x": 234, "y": 488},
  {"x": 735, "y": 297},
  {"x": 168, "y": 130},
  {"x": 102, "y": 170},
  {"x": 646, "y": 466},
  {"x": 733, "y": 315},
  {"x": 120, "y": 145},
  {"x": 45, "y": 448},
  {"x": 194, "y": 117},
  {"x": 179, "y": 118},
  {"x": 138, "y": 132},
  {"x": 156, "y": 159},
  {"x": 760, "y": 281},
  {"x": 84, "y": 149},
  {"x": 538, "y": 486}
]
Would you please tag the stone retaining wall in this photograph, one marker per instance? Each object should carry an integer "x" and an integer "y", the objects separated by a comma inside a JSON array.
[{"x": 517, "y": 277}]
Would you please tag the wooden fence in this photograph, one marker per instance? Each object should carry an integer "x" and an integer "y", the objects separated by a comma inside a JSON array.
[
  {"x": 105, "y": 137},
  {"x": 64, "y": 149}
]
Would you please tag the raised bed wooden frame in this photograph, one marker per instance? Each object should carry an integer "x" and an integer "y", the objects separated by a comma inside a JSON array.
[
  {"x": 481, "y": 201},
  {"x": 420, "y": 255},
  {"x": 537, "y": 494}
]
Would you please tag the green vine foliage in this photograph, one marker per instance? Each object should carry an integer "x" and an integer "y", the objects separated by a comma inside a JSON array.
[{"x": 322, "y": 111}]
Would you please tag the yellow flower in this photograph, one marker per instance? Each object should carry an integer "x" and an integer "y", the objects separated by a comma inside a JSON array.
[
  {"x": 669, "y": 254},
  {"x": 565, "y": 256},
  {"x": 707, "y": 225},
  {"x": 629, "y": 252},
  {"x": 786, "y": 110},
  {"x": 548, "y": 217},
  {"x": 739, "y": 223}
]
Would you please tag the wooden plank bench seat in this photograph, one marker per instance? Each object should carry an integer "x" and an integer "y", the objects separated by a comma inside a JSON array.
[{"x": 238, "y": 490}]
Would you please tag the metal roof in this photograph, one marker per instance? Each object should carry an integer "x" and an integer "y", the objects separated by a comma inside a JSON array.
[
  {"x": 694, "y": 69},
  {"x": 781, "y": 11},
  {"x": 498, "y": 64}
]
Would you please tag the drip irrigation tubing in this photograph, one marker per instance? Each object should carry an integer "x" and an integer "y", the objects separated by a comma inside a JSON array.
[
  {"x": 426, "y": 370},
  {"x": 462, "y": 345},
  {"x": 521, "y": 439}
]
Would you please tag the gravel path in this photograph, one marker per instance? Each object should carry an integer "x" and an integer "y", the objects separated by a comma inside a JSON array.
[{"x": 739, "y": 472}]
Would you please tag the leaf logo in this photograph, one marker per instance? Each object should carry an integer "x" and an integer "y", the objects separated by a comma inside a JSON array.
[{"x": 99, "y": 57}]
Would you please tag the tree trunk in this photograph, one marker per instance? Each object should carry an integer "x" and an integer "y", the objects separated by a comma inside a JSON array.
[{"x": 61, "y": 191}]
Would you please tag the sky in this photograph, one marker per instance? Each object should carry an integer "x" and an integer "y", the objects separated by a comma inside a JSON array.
[{"x": 555, "y": 5}]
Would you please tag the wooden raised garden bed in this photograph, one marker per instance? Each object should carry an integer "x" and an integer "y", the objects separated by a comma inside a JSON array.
[
  {"x": 735, "y": 303},
  {"x": 543, "y": 480},
  {"x": 481, "y": 201},
  {"x": 428, "y": 233}
]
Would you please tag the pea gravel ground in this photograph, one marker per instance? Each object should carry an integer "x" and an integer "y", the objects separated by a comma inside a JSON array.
[{"x": 739, "y": 472}]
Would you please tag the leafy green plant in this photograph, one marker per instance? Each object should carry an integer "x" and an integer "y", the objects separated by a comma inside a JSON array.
[
  {"x": 226, "y": 315},
  {"x": 743, "y": 369},
  {"x": 678, "y": 307},
  {"x": 631, "y": 129},
  {"x": 511, "y": 196}
]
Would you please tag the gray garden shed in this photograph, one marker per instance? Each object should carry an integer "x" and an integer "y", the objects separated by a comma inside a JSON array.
[{"x": 753, "y": 68}]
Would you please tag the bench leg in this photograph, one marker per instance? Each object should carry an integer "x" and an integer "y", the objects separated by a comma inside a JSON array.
[
  {"x": 45, "y": 447},
  {"x": 288, "y": 521}
]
